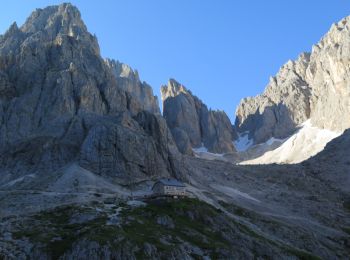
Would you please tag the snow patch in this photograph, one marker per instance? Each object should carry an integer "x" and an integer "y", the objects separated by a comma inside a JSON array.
[
  {"x": 273, "y": 140},
  {"x": 243, "y": 142},
  {"x": 307, "y": 142},
  {"x": 201, "y": 149},
  {"x": 202, "y": 152}
]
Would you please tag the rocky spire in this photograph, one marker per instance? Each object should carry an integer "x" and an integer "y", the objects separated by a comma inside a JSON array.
[
  {"x": 192, "y": 124},
  {"x": 128, "y": 80},
  {"x": 61, "y": 102}
]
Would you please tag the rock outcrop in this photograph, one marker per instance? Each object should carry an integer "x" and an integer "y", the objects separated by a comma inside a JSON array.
[
  {"x": 128, "y": 80},
  {"x": 315, "y": 86},
  {"x": 192, "y": 123},
  {"x": 61, "y": 102}
]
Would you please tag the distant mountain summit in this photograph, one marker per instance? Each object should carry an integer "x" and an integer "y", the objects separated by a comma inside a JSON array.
[
  {"x": 194, "y": 125},
  {"x": 284, "y": 104},
  {"x": 60, "y": 103},
  {"x": 129, "y": 80},
  {"x": 82, "y": 142},
  {"x": 302, "y": 108},
  {"x": 314, "y": 87},
  {"x": 57, "y": 92}
]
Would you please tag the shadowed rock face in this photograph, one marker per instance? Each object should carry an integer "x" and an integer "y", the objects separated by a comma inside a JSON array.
[
  {"x": 192, "y": 124},
  {"x": 332, "y": 164},
  {"x": 128, "y": 80},
  {"x": 55, "y": 87},
  {"x": 63, "y": 108},
  {"x": 130, "y": 148}
]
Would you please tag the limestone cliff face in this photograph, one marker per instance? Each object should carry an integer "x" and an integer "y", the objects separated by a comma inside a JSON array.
[
  {"x": 192, "y": 124},
  {"x": 315, "y": 86},
  {"x": 57, "y": 93},
  {"x": 329, "y": 76},
  {"x": 284, "y": 104},
  {"x": 129, "y": 81}
]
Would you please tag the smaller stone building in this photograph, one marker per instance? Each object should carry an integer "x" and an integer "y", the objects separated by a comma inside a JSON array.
[{"x": 169, "y": 187}]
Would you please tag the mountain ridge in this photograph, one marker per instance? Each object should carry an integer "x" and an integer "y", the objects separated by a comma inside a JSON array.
[
  {"x": 82, "y": 143},
  {"x": 59, "y": 90},
  {"x": 311, "y": 83}
]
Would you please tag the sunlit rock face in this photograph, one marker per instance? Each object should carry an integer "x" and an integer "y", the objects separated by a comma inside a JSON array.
[
  {"x": 315, "y": 86},
  {"x": 329, "y": 76},
  {"x": 192, "y": 123},
  {"x": 284, "y": 104},
  {"x": 61, "y": 102}
]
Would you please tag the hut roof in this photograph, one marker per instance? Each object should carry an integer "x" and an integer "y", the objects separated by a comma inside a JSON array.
[{"x": 171, "y": 182}]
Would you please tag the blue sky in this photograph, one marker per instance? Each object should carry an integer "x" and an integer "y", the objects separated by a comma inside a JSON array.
[{"x": 222, "y": 50}]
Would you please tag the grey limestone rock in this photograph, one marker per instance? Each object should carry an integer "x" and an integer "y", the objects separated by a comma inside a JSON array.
[
  {"x": 61, "y": 102},
  {"x": 217, "y": 132},
  {"x": 179, "y": 110},
  {"x": 187, "y": 115},
  {"x": 315, "y": 86},
  {"x": 284, "y": 104},
  {"x": 128, "y": 80},
  {"x": 182, "y": 140},
  {"x": 131, "y": 149},
  {"x": 328, "y": 74}
]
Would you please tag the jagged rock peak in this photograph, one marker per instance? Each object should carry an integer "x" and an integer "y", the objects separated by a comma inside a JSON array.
[
  {"x": 129, "y": 80},
  {"x": 335, "y": 32},
  {"x": 283, "y": 105},
  {"x": 289, "y": 71},
  {"x": 328, "y": 74},
  {"x": 59, "y": 100},
  {"x": 13, "y": 29},
  {"x": 122, "y": 70},
  {"x": 57, "y": 22},
  {"x": 192, "y": 124},
  {"x": 173, "y": 89},
  {"x": 64, "y": 18},
  {"x": 315, "y": 86}
]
